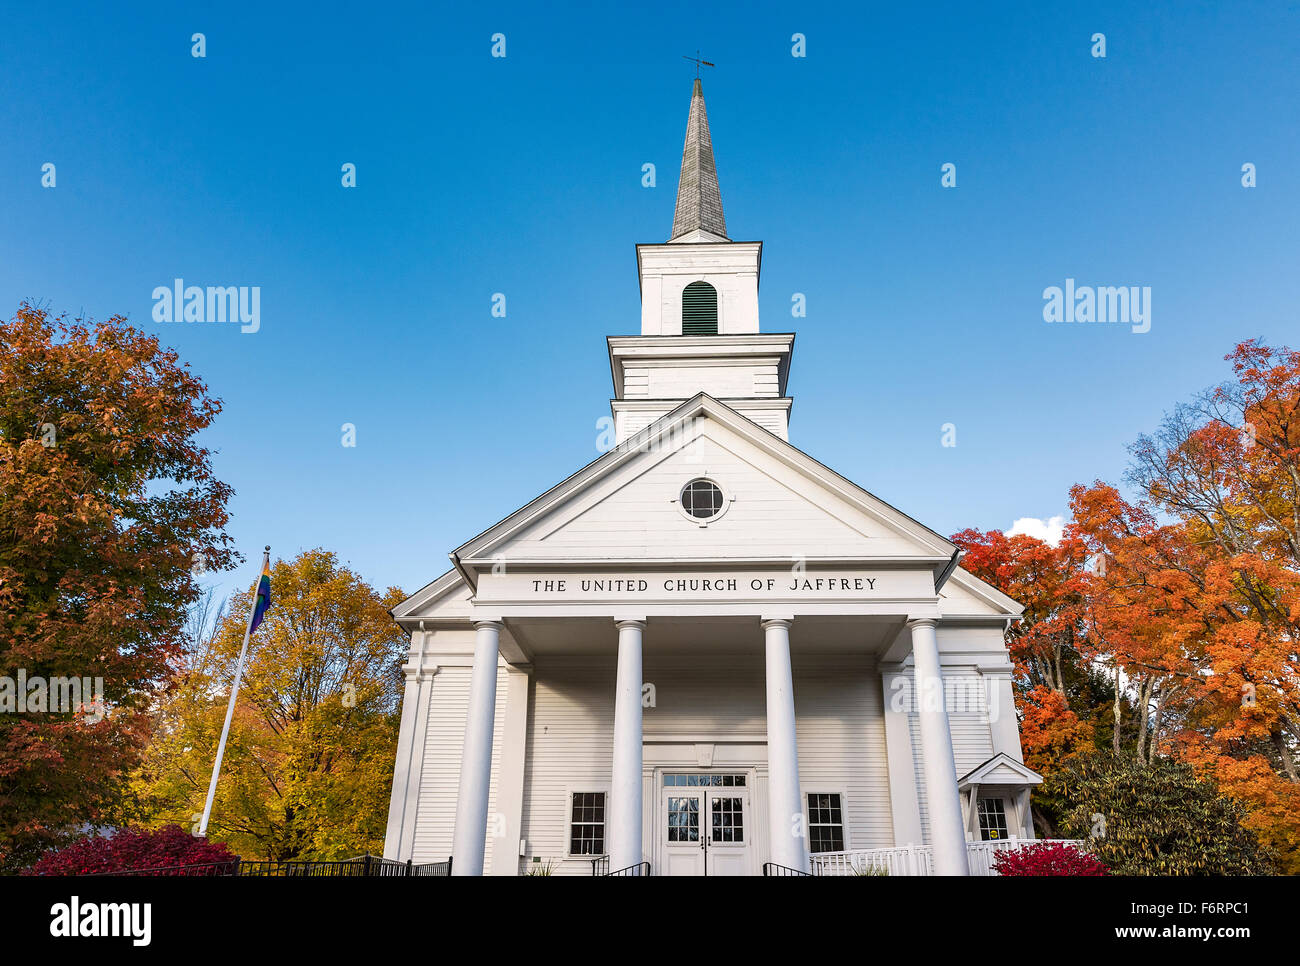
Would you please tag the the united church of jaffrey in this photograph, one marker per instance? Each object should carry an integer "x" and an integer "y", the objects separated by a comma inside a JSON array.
[{"x": 706, "y": 653}]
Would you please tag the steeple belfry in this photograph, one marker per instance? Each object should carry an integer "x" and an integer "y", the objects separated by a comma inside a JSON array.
[{"x": 698, "y": 216}]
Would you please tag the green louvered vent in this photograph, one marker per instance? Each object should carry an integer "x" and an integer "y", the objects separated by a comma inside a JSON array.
[{"x": 700, "y": 309}]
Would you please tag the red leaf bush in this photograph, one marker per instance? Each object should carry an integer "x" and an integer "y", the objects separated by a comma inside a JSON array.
[
  {"x": 132, "y": 848},
  {"x": 1048, "y": 858}
]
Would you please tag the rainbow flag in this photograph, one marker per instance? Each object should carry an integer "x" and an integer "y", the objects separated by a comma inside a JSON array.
[{"x": 263, "y": 596}]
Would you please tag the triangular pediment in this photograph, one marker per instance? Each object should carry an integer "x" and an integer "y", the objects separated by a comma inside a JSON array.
[
  {"x": 781, "y": 504},
  {"x": 965, "y": 595},
  {"x": 1001, "y": 769}
]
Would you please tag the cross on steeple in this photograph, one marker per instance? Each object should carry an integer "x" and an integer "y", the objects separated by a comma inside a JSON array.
[{"x": 697, "y": 62}]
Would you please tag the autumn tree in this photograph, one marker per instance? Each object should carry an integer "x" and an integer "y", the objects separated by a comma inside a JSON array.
[
  {"x": 1199, "y": 595},
  {"x": 1063, "y": 700},
  {"x": 308, "y": 768},
  {"x": 107, "y": 504}
]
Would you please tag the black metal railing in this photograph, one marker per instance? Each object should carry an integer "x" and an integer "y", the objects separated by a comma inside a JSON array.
[
  {"x": 600, "y": 866},
  {"x": 773, "y": 868},
  {"x": 431, "y": 868},
  {"x": 363, "y": 866},
  {"x": 640, "y": 869}
]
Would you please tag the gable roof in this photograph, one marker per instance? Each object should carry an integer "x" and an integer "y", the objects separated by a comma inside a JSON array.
[
  {"x": 932, "y": 548},
  {"x": 705, "y": 406},
  {"x": 930, "y": 544},
  {"x": 1001, "y": 769},
  {"x": 964, "y": 587}
]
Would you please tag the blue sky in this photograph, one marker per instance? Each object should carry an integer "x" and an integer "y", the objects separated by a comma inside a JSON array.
[{"x": 522, "y": 175}]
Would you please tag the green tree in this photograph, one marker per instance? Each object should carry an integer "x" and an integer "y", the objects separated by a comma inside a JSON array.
[
  {"x": 308, "y": 768},
  {"x": 1156, "y": 818}
]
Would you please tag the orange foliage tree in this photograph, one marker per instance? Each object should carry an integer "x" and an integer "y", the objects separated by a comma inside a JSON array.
[
  {"x": 1198, "y": 599},
  {"x": 107, "y": 503},
  {"x": 1061, "y": 700}
]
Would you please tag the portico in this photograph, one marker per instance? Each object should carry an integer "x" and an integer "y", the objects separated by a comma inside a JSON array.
[
  {"x": 705, "y": 651},
  {"x": 831, "y": 619}
]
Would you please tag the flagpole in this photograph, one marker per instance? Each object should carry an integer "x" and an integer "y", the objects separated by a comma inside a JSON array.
[{"x": 234, "y": 691}]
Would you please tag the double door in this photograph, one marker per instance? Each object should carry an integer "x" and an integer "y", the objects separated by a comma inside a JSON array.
[{"x": 704, "y": 824}]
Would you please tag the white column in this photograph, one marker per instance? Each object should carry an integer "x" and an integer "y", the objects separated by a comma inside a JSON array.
[
  {"x": 1003, "y": 727},
  {"x": 624, "y": 819},
  {"x": 476, "y": 756},
  {"x": 402, "y": 769},
  {"x": 897, "y": 686},
  {"x": 785, "y": 807},
  {"x": 947, "y": 831},
  {"x": 510, "y": 771}
]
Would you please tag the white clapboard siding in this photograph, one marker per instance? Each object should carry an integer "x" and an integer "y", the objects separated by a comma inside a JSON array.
[
  {"x": 841, "y": 733},
  {"x": 636, "y": 384},
  {"x": 972, "y": 739},
  {"x": 570, "y": 735},
  {"x": 569, "y": 748},
  {"x": 683, "y": 382},
  {"x": 440, "y": 777},
  {"x": 773, "y": 420}
]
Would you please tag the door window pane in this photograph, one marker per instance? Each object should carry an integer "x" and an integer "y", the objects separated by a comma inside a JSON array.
[
  {"x": 728, "y": 820},
  {"x": 683, "y": 819}
]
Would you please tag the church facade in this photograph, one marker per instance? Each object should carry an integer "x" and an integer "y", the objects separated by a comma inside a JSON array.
[{"x": 706, "y": 653}]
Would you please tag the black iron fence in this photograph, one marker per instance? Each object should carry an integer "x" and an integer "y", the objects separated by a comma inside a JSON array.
[
  {"x": 600, "y": 866},
  {"x": 640, "y": 869},
  {"x": 773, "y": 868},
  {"x": 363, "y": 866}
]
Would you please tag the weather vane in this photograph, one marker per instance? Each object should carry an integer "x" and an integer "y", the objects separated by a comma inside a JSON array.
[{"x": 698, "y": 63}]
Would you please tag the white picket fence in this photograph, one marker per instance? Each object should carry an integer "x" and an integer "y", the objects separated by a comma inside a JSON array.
[{"x": 916, "y": 859}]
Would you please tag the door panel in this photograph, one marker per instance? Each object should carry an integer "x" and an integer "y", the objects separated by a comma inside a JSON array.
[
  {"x": 683, "y": 845},
  {"x": 728, "y": 845},
  {"x": 704, "y": 824}
]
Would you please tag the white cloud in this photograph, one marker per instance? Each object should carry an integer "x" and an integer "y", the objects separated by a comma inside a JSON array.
[{"x": 1049, "y": 531}]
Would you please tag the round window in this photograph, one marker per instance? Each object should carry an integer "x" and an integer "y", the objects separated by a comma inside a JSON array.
[{"x": 702, "y": 499}]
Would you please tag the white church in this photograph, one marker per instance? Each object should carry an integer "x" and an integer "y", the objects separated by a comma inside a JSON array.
[{"x": 706, "y": 653}]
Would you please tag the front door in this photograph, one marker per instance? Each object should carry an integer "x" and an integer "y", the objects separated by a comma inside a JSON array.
[{"x": 704, "y": 824}]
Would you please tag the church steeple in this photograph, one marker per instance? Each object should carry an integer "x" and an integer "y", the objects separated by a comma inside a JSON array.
[
  {"x": 699, "y": 312},
  {"x": 699, "y": 202}
]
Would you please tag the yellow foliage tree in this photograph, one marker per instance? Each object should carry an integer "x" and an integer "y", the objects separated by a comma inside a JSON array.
[{"x": 308, "y": 766}]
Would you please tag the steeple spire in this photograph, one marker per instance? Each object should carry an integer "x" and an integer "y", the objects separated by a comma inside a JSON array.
[{"x": 699, "y": 202}]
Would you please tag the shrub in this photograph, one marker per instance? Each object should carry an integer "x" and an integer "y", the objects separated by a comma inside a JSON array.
[
  {"x": 132, "y": 848},
  {"x": 1156, "y": 819},
  {"x": 1048, "y": 858}
]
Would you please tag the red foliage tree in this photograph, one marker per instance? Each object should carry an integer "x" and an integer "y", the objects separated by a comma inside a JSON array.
[
  {"x": 132, "y": 848},
  {"x": 108, "y": 510},
  {"x": 1048, "y": 858}
]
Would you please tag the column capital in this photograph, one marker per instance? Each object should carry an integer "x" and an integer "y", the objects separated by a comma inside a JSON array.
[
  {"x": 922, "y": 622},
  {"x": 778, "y": 620},
  {"x": 621, "y": 622},
  {"x": 493, "y": 622}
]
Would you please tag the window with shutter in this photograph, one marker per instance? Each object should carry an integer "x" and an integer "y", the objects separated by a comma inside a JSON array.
[{"x": 700, "y": 309}]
